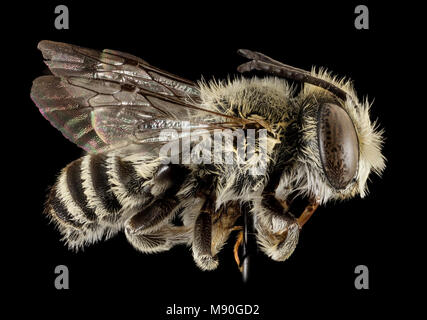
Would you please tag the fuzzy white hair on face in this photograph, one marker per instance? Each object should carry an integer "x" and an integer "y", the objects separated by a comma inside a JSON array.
[{"x": 307, "y": 175}]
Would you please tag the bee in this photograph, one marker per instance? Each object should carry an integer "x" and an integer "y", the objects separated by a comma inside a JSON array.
[{"x": 319, "y": 145}]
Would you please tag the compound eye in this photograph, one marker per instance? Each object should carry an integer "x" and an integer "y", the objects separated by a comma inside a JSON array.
[{"x": 338, "y": 145}]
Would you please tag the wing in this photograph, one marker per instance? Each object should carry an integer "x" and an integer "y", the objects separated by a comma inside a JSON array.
[{"x": 109, "y": 99}]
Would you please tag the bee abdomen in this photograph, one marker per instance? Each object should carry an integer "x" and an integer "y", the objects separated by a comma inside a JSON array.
[
  {"x": 99, "y": 187},
  {"x": 60, "y": 211},
  {"x": 93, "y": 197},
  {"x": 75, "y": 187},
  {"x": 127, "y": 176}
]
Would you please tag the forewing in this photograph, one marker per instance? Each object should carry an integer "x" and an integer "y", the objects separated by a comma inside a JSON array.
[
  {"x": 105, "y": 100},
  {"x": 65, "y": 60}
]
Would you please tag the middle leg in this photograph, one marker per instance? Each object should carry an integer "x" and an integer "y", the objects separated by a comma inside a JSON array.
[{"x": 211, "y": 231}]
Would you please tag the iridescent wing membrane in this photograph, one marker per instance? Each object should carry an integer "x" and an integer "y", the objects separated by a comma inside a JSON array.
[{"x": 107, "y": 100}]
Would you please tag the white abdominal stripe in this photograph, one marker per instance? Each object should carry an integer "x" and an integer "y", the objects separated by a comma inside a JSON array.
[{"x": 93, "y": 197}]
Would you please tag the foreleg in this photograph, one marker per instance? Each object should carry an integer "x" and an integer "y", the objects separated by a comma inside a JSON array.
[{"x": 277, "y": 229}]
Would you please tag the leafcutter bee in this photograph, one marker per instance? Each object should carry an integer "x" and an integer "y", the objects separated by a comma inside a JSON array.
[{"x": 144, "y": 130}]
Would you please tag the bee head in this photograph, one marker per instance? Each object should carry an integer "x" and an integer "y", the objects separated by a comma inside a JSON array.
[{"x": 339, "y": 146}]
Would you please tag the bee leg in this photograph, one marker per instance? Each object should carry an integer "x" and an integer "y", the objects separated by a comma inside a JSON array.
[
  {"x": 202, "y": 242},
  {"x": 307, "y": 213},
  {"x": 160, "y": 240},
  {"x": 279, "y": 246},
  {"x": 165, "y": 184},
  {"x": 279, "y": 236},
  {"x": 212, "y": 228},
  {"x": 277, "y": 229},
  {"x": 277, "y": 213},
  {"x": 152, "y": 217},
  {"x": 237, "y": 245}
]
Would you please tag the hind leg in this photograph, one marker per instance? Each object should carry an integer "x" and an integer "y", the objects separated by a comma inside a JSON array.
[
  {"x": 163, "y": 187},
  {"x": 160, "y": 240},
  {"x": 150, "y": 229}
]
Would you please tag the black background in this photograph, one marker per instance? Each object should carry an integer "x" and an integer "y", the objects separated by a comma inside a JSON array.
[{"x": 202, "y": 39}]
